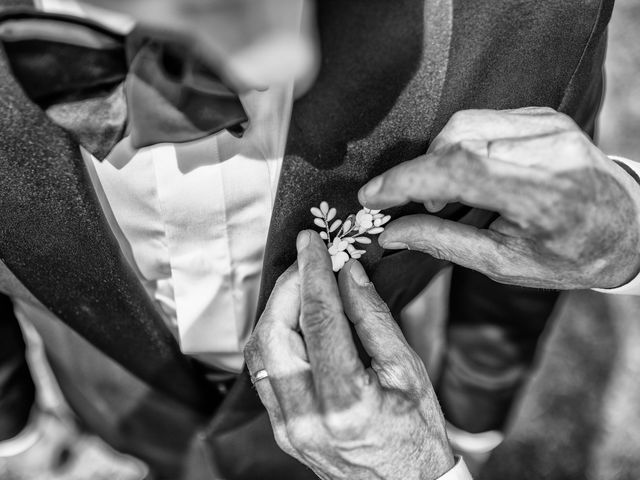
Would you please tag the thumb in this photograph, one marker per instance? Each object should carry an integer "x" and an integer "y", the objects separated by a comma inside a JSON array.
[{"x": 393, "y": 360}]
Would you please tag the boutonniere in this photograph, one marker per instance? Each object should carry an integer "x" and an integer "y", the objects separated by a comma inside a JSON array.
[{"x": 345, "y": 239}]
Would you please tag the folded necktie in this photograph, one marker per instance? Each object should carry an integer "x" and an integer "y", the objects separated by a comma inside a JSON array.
[{"x": 100, "y": 85}]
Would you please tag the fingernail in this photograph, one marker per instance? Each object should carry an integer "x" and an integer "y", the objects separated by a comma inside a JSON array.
[
  {"x": 302, "y": 241},
  {"x": 358, "y": 274},
  {"x": 373, "y": 187},
  {"x": 395, "y": 246}
]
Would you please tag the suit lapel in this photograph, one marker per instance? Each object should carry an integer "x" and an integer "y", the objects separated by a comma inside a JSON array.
[
  {"x": 373, "y": 106},
  {"x": 55, "y": 239}
]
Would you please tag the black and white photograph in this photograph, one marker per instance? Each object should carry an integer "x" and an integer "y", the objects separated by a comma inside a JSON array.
[{"x": 319, "y": 239}]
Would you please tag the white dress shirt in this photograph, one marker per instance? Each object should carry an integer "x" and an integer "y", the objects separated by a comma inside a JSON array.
[
  {"x": 458, "y": 472},
  {"x": 193, "y": 219}
]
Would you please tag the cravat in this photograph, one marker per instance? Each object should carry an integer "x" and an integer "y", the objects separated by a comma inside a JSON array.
[{"x": 100, "y": 86}]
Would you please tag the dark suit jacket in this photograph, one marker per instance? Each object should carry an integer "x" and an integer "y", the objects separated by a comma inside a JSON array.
[{"x": 392, "y": 74}]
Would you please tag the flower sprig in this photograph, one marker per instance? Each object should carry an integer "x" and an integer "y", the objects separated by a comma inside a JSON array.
[{"x": 345, "y": 238}]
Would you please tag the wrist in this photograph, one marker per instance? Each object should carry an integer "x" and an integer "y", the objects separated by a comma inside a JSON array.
[{"x": 438, "y": 458}]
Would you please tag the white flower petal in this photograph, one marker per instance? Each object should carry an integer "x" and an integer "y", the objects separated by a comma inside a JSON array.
[
  {"x": 350, "y": 240},
  {"x": 338, "y": 261},
  {"x": 324, "y": 207},
  {"x": 315, "y": 211},
  {"x": 343, "y": 245},
  {"x": 363, "y": 240},
  {"x": 333, "y": 250},
  {"x": 320, "y": 222},
  {"x": 335, "y": 225}
]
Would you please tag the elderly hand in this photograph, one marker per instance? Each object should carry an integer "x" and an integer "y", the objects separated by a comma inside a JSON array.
[
  {"x": 326, "y": 409},
  {"x": 568, "y": 215}
]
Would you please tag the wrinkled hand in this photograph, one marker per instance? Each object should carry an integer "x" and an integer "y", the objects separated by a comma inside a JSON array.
[
  {"x": 326, "y": 409},
  {"x": 568, "y": 214}
]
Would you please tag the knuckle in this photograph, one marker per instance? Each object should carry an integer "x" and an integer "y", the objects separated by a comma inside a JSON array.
[
  {"x": 317, "y": 315},
  {"x": 300, "y": 434},
  {"x": 462, "y": 117},
  {"x": 251, "y": 349},
  {"x": 439, "y": 252},
  {"x": 284, "y": 442},
  {"x": 496, "y": 266},
  {"x": 562, "y": 119},
  {"x": 344, "y": 425}
]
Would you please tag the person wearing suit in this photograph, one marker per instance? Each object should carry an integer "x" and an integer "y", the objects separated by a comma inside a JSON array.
[{"x": 94, "y": 254}]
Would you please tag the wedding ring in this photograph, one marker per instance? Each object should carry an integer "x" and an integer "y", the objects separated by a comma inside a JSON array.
[{"x": 259, "y": 375}]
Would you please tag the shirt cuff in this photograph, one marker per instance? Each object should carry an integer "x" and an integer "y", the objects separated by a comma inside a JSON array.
[
  {"x": 458, "y": 472},
  {"x": 23, "y": 441},
  {"x": 633, "y": 287}
]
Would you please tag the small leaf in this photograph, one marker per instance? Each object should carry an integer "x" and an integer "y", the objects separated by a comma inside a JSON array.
[
  {"x": 385, "y": 219},
  {"x": 350, "y": 240},
  {"x": 376, "y": 231},
  {"x": 347, "y": 225},
  {"x": 335, "y": 225},
  {"x": 356, "y": 256},
  {"x": 315, "y": 211},
  {"x": 324, "y": 207},
  {"x": 324, "y": 236},
  {"x": 331, "y": 215},
  {"x": 320, "y": 222},
  {"x": 363, "y": 240}
]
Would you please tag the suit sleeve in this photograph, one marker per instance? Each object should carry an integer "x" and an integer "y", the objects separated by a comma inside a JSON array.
[
  {"x": 17, "y": 390},
  {"x": 492, "y": 334}
]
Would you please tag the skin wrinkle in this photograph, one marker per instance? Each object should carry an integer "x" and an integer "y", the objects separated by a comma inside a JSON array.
[
  {"x": 565, "y": 207},
  {"x": 352, "y": 409}
]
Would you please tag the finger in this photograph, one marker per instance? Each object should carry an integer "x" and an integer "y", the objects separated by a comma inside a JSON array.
[
  {"x": 393, "y": 360},
  {"x": 456, "y": 175},
  {"x": 268, "y": 398},
  {"x": 504, "y": 259},
  {"x": 464, "y": 245},
  {"x": 337, "y": 371},
  {"x": 495, "y": 124},
  {"x": 277, "y": 344}
]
